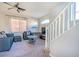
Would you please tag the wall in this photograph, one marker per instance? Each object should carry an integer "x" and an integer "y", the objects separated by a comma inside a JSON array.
[
  {"x": 4, "y": 23},
  {"x": 52, "y": 14},
  {"x": 57, "y": 10},
  {"x": 32, "y": 26},
  {"x": 67, "y": 45},
  {"x": 42, "y": 19}
]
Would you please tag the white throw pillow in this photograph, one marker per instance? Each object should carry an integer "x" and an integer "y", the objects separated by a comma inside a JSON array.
[{"x": 2, "y": 35}]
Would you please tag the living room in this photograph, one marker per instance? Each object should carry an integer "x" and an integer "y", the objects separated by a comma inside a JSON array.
[
  {"x": 23, "y": 27},
  {"x": 19, "y": 31},
  {"x": 38, "y": 28}
]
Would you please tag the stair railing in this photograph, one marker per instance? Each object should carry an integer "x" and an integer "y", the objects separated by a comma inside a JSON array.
[{"x": 61, "y": 24}]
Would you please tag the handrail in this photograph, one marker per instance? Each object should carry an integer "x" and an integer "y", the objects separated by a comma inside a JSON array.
[
  {"x": 61, "y": 24},
  {"x": 60, "y": 12}
]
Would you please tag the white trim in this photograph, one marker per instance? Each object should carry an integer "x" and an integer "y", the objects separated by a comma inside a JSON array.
[
  {"x": 56, "y": 28},
  {"x": 46, "y": 41},
  {"x": 69, "y": 14},
  {"x": 53, "y": 31},
  {"x": 63, "y": 19},
  {"x": 50, "y": 54},
  {"x": 59, "y": 24}
]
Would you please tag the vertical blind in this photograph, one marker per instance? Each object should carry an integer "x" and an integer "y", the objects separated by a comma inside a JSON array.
[{"x": 18, "y": 25}]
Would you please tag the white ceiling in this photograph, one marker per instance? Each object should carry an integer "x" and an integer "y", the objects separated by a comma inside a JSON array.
[{"x": 33, "y": 9}]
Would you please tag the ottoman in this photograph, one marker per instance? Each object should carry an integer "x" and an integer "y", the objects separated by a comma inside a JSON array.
[{"x": 17, "y": 38}]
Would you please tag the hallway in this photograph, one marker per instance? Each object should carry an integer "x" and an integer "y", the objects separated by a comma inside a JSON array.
[{"x": 24, "y": 49}]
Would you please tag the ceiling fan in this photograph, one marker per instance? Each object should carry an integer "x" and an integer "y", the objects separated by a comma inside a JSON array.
[{"x": 15, "y": 6}]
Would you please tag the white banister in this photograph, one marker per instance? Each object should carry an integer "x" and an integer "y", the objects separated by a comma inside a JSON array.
[{"x": 61, "y": 24}]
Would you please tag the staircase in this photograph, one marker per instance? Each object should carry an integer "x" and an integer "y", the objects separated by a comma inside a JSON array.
[{"x": 62, "y": 33}]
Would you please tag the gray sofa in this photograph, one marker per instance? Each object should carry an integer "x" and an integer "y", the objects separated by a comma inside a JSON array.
[{"x": 6, "y": 43}]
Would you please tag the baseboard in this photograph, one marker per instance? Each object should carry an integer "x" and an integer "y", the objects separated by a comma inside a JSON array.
[
  {"x": 46, "y": 50},
  {"x": 50, "y": 54}
]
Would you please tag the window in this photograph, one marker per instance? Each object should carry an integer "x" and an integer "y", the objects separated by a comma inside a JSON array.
[
  {"x": 45, "y": 21},
  {"x": 22, "y": 26},
  {"x": 18, "y": 25},
  {"x": 77, "y": 11}
]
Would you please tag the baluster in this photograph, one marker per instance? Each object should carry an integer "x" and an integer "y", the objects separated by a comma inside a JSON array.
[
  {"x": 72, "y": 14},
  {"x": 46, "y": 41},
  {"x": 59, "y": 25},
  {"x": 63, "y": 20},
  {"x": 54, "y": 29},
  {"x": 69, "y": 16}
]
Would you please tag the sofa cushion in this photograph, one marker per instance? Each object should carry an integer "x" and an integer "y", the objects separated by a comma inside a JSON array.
[{"x": 9, "y": 34}]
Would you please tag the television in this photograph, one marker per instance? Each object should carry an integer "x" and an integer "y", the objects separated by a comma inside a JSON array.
[{"x": 43, "y": 30}]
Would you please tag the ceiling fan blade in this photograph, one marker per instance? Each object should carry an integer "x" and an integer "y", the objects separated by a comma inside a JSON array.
[
  {"x": 22, "y": 9},
  {"x": 7, "y": 3},
  {"x": 15, "y": 6},
  {"x": 18, "y": 10},
  {"x": 10, "y": 8}
]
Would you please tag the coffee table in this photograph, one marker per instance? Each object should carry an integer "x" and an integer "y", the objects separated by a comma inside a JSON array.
[{"x": 32, "y": 39}]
